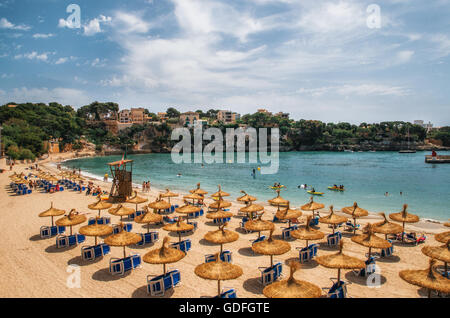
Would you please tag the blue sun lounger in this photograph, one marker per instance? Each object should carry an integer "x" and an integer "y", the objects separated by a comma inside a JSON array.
[
  {"x": 135, "y": 214},
  {"x": 286, "y": 233},
  {"x": 221, "y": 221},
  {"x": 89, "y": 253},
  {"x": 314, "y": 222},
  {"x": 183, "y": 246},
  {"x": 227, "y": 293},
  {"x": 349, "y": 226},
  {"x": 369, "y": 269},
  {"x": 126, "y": 227},
  {"x": 102, "y": 220},
  {"x": 50, "y": 231},
  {"x": 337, "y": 291},
  {"x": 307, "y": 253},
  {"x": 259, "y": 239},
  {"x": 334, "y": 239},
  {"x": 119, "y": 266},
  {"x": 147, "y": 238},
  {"x": 270, "y": 274},
  {"x": 225, "y": 256},
  {"x": 386, "y": 252},
  {"x": 158, "y": 285},
  {"x": 71, "y": 240}
]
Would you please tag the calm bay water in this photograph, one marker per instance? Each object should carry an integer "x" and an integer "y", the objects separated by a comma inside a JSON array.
[{"x": 366, "y": 176}]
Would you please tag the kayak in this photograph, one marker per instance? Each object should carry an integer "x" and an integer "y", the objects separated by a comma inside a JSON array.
[
  {"x": 275, "y": 188},
  {"x": 335, "y": 189},
  {"x": 315, "y": 193}
]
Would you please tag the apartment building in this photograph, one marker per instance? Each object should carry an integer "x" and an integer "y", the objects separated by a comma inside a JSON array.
[{"x": 227, "y": 116}]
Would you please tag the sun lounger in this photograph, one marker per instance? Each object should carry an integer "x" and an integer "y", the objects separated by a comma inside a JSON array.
[
  {"x": 150, "y": 237},
  {"x": 71, "y": 240},
  {"x": 225, "y": 256},
  {"x": 221, "y": 221},
  {"x": 89, "y": 253},
  {"x": 184, "y": 246},
  {"x": 368, "y": 270},
  {"x": 387, "y": 251},
  {"x": 349, "y": 226},
  {"x": 227, "y": 293},
  {"x": 126, "y": 227},
  {"x": 119, "y": 266},
  {"x": 314, "y": 222},
  {"x": 286, "y": 232},
  {"x": 50, "y": 231},
  {"x": 270, "y": 274},
  {"x": 259, "y": 239},
  {"x": 102, "y": 220},
  {"x": 135, "y": 214},
  {"x": 158, "y": 285},
  {"x": 337, "y": 291},
  {"x": 169, "y": 219},
  {"x": 334, "y": 239},
  {"x": 443, "y": 272}
]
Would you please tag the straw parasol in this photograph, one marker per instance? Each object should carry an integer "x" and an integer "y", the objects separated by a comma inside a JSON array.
[
  {"x": 73, "y": 218},
  {"x": 123, "y": 238},
  {"x": 340, "y": 261},
  {"x": 187, "y": 209},
  {"x": 259, "y": 225},
  {"x": 221, "y": 236},
  {"x": 159, "y": 204},
  {"x": 404, "y": 217},
  {"x": 332, "y": 218},
  {"x": 169, "y": 194},
  {"x": 292, "y": 288},
  {"x": 178, "y": 227},
  {"x": 220, "y": 193},
  {"x": 219, "y": 215},
  {"x": 288, "y": 214},
  {"x": 148, "y": 217},
  {"x": 99, "y": 205},
  {"x": 220, "y": 204},
  {"x": 386, "y": 227},
  {"x": 121, "y": 211},
  {"x": 305, "y": 232},
  {"x": 271, "y": 247},
  {"x": 278, "y": 200},
  {"x": 442, "y": 237},
  {"x": 164, "y": 255},
  {"x": 441, "y": 253},
  {"x": 193, "y": 197},
  {"x": 427, "y": 278},
  {"x": 136, "y": 200},
  {"x": 96, "y": 230},
  {"x": 52, "y": 212},
  {"x": 312, "y": 206},
  {"x": 246, "y": 198},
  {"x": 218, "y": 270},
  {"x": 356, "y": 212},
  {"x": 198, "y": 190},
  {"x": 370, "y": 240},
  {"x": 252, "y": 208}
]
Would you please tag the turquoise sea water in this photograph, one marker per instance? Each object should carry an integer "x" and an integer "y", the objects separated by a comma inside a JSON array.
[{"x": 366, "y": 176}]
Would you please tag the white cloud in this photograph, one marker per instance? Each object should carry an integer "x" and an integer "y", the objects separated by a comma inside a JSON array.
[
  {"x": 33, "y": 56},
  {"x": 93, "y": 26},
  {"x": 43, "y": 35},
  {"x": 61, "y": 60},
  {"x": 5, "y": 24},
  {"x": 129, "y": 23},
  {"x": 404, "y": 56}
]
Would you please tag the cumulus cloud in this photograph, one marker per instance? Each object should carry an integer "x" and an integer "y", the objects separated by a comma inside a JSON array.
[
  {"x": 93, "y": 26},
  {"x": 43, "y": 35},
  {"x": 33, "y": 56},
  {"x": 5, "y": 24}
]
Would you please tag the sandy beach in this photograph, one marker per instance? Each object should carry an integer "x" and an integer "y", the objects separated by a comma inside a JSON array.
[{"x": 34, "y": 267}]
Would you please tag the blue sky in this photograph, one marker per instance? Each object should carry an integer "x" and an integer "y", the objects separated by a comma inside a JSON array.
[{"x": 312, "y": 59}]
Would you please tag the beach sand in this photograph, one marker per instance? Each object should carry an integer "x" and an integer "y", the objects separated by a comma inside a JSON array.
[{"x": 34, "y": 267}]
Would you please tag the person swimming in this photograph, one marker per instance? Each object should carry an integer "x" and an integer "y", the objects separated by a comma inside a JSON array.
[{"x": 179, "y": 174}]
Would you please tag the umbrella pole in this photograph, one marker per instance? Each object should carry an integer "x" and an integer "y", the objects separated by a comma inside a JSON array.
[
  {"x": 354, "y": 227},
  {"x": 164, "y": 268},
  {"x": 96, "y": 240},
  {"x": 71, "y": 230},
  {"x": 221, "y": 249},
  {"x": 124, "y": 253},
  {"x": 52, "y": 221},
  {"x": 218, "y": 287},
  {"x": 429, "y": 293},
  {"x": 259, "y": 234},
  {"x": 306, "y": 243},
  {"x": 271, "y": 260},
  {"x": 370, "y": 251},
  {"x": 403, "y": 233},
  {"x": 148, "y": 227},
  {"x": 99, "y": 212},
  {"x": 179, "y": 236},
  {"x": 339, "y": 277},
  {"x": 333, "y": 228}
]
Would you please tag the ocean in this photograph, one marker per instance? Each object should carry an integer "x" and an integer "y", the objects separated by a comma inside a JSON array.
[{"x": 367, "y": 176}]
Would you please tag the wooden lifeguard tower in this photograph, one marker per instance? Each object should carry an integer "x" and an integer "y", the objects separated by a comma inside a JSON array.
[{"x": 121, "y": 172}]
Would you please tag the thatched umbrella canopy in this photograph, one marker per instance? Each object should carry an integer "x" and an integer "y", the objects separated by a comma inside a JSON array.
[
  {"x": 73, "y": 218},
  {"x": 427, "y": 278},
  {"x": 442, "y": 237},
  {"x": 252, "y": 208},
  {"x": 312, "y": 206},
  {"x": 188, "y": 209},
  {"x": 288, "y": 214},
  {"x": 136, "y": 200},
  {"x": 219, "y": 215},
  {"x": 332, "y": 218},
  {"x": 164, "y": 255},
  {"x": 220, "y": 193},
  {"x": 404, "y": 217},
  {"x": 220, "y": 204},
  {"x": 246, "y": 197},
  {"x": 123, "y": 239},
  {"x": 370, "y": 240},
  {"x": 441, "y": 253},
  {"x": 100, "y": 205},
  {"x": 159, "y": 204},
  {"x": 178, "y": 227},
  {"x": 340, "y": 261},
  {"x": 271, "y": 247},
  {"x": 148, "y": 217},
  {"x": 221, "y": 236},
  {"x": 292, "y": 288},
  {"x": 278, "y": 200},
  {"x": 259, "y": 225},
  {"x": 52, "y": 212},
  {"x": 121, "y": 211},
  {"x": 169, "y": 194},
  {"x": 198, "y": 190},
  {"x": 193, "y": 197},
  {"x": 96, "y": 230},
  {"x": 305, "y": 232},
  {"x": 356, "y": 212},
  {"x": 218, "y": 270},
  {"x": 386, "y": 227}
]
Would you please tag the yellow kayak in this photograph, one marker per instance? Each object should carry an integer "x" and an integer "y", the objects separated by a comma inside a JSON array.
[
  {"x": 335, "y": 189},
  {"x": 275, "y": 188},
  {"x": 314, "y": 193}
]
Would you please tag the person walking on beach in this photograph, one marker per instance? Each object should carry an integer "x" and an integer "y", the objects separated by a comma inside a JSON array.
[{"x": 148, "y": 186}]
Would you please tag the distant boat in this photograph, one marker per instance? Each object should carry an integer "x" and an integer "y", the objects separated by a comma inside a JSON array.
[{"x": 407, "y": 150}]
